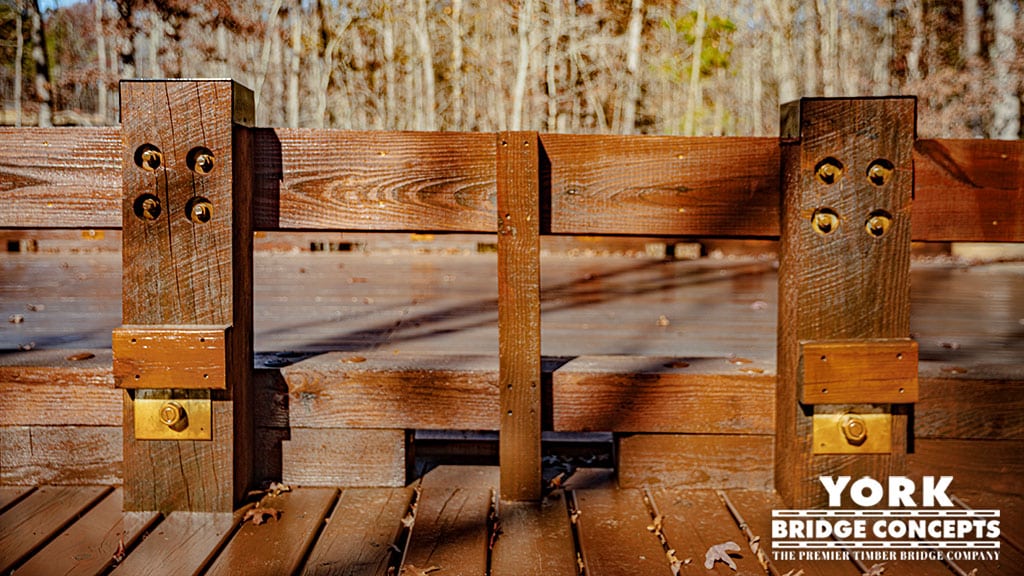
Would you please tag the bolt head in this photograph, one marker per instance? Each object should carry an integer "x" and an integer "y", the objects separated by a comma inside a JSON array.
[
  {"x": 855, "y": 430},
  {"x": 172, "y": 413}
]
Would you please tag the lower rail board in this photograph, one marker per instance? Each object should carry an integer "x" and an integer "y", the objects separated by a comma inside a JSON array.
[{"x": 534, "y": 539}]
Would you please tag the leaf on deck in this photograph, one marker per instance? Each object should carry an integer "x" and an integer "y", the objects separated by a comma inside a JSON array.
[
  {"x": 720, "y": 553},
  {"x": 258, "y": 515}
]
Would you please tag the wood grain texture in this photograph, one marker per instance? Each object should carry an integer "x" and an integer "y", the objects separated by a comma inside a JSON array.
[
  {"x": 613, "y": 534},
  {"x": 663, "y": 394},
  {"x": 999, "y": 471},
  {"x": 88, "y": 547},
  {"x": 340, "y": 457},
  {"x": 859, "y": 371},
  {"x": 52, "y": 391},
  {"x": 60, "y": 177},
  {"x": 970, "y": 408},
  {"x": 148, "y": 356},
  {"x": 358, "y": 539},
  {"x": 31, "y": 455},
  {"x": 846, "y": 284},
  {"x": 374, "y": 180},
  {"x": 278, "y": 546},
  {"x": 969, "y": 190},
  {"x": 10, "y": 495},
  {"x": 663, "y": 185},
  {"x": 519, "y": 313},
  {"x": 696, "y": 520},
  {"x": 182, "y": 545},
  {"x": 40, "y": 517},
  {"x": 179, "y": 272},
  {"x": 450, "y": 529},
  {"x": 695, "y": 461},
  {"x": 535, "y": 539}
]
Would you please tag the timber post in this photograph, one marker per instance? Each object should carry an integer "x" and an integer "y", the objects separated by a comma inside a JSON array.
[
  {"x": 847, "y": 369},
  {"x": 184, "y": 353},
  {"x": 519, "y": 351}
]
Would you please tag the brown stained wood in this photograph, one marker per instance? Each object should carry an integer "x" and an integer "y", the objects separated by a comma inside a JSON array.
[
  {"x": 993, "y": 465},
  {"x": 60, "y": 455},
  {"x": 450, "y": 529},
  {"x": 40, "y": 517},
  {"x": 613, "y": 534},
  {"x": 60, "y": 177},
  {"x": 969, "y": 190},
  {"x": 756, "y": 507},
  {"x": 148, "y": 356},
  {"x": 179, "y": 271},
  {"x": 52, "y": 391},
  {"x": 695, "y": 461},
  {"x": 846, "y": 284},
  {"x": 663, "y": 185},
  {"x": 361, "y": 531},
  {"x": 1011, "y": 513},
  {"x": 277, "y": 546},
  {"x": 519, "y": 314},
  {"x": 859, "y": 371},
  {"x": 182, "y": 545},
  {"x": 696, "y": 520},
  {"x": 374, "y": 180},
  {"x": 88, "y": 547},
  {"x": 970, "y": 408},
  {"x": 10, "y": 495},
  {"x": 379, "y": 390},
  {"x": 663, "y": 394},
  {"x": 340, "y": 457},
  {"x": 535, "y": 539}
]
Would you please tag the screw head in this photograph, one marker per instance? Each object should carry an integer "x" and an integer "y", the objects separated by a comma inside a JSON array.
[
  {"x": 878, "y": 224},
  {"x": 828, "y": 171},
  {"x": 201, "y": 212},
  {"x": 172, "y": 414},
  {"x": 855, "y": 430},
  {"x": 879, "y": 172},
  {"x": 204, "y": 163},
  {"x": 151, "y": 159},
  {"x": 825, "y": 221}
]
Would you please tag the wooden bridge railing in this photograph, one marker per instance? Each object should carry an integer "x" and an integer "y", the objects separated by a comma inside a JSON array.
[{"x": 191, "y": 275}]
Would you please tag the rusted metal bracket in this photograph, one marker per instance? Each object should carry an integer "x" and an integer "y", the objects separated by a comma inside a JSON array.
[
  {"x": 164, "y": 357},
  {"x": 875, "y": 371}
]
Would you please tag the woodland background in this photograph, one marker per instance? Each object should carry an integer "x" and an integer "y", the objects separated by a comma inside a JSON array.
[{"x": 690, "y": 67}]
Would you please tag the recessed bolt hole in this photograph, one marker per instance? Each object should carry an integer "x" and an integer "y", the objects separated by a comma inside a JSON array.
[
  {"x": 199, "y": 210},
  {"x": 200, "y": 160},
  {"x": 880, "y": 171},
  {"x": 899, "y": 356},
  {"x": 824, "y": 358},
  {"x": 824, "y": 221},
  {"x": 901, "y": 390},
  {"x": 206, "y": 376},
  {"x": 828, "y": 171},
  {"x": 147, "y": 207},
  {"x": 148, "y": 157},
  {"x": 878, "y": 223},
  {"x": 824, "y": 390}
]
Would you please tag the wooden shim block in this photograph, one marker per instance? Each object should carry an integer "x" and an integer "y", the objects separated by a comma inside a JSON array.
[
  {"x": 613, "y": 534},
  {"x": 183, "y": 269},
  {"x": 859, "y": 371},
  {"x": 360, "y": 534},
  {"x": 182, "y": 545},
  {"x": 519, "y": 314},
  {"x": 346, "y": 390},
  {"x": 837, "y": 280},
  {"x": 696, "y": 520},
  {"x": 278, "y": 546},
  {"x": 58, "y": 392},
  {"x": 695, "y": 461},
  {"x": 450, "y": 530},
  {"x": 60, "y": 455},
  {"x": 536, "y": 539},
  {"x": 40, "y": 517},
  {"x": 755, "y": 507},
  {"x": 663, "y": 185},
  {"x": 340, "y": 457},
  {"x": 88, "y": 547},
  {"x": 147, "y": 356},
  {"x": 660, "y": 394},
  {"x": 999, "y": 470},
  {"x": 969, "y": 190},
  {"x": 969, "y": 408}
]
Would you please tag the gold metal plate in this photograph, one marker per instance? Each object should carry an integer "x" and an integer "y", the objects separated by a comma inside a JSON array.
[
  {"x": 166, "y": 357},
  {"x": 153, "y": 408},
  {"x": 880, "y": 371},
  {"x": 841, "y": 433}
]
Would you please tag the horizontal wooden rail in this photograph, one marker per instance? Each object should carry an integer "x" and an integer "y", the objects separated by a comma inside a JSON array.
[{"x": 964, "y": 190}]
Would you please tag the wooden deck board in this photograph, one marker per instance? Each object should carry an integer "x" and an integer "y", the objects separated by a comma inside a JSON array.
[
  {"x": 88, "y": 546},
  {"x": 277, "y": 546},
  {"x": 362, "y": 530},
  {"x": 535, "y": 539},
  {"x": 9, "y": 495},
  {"x": 182, "y": 545},
  {"x": 40, "y": 517},
  {"x": 450, "y": 529}
]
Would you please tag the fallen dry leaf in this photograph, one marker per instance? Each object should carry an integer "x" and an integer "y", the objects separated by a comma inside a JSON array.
[
  {"x": 876, "y": 570},
  {"x": 81, "y": 356},
  {"x": 353, "y": 360},
  {"x": 15, "y": 318},
  {"x": 121, "y": 552},
  {"x": 412, "y": 570},
  {"x": 258, "y": 515},
  {"x": 720, "y": 553},
  {"x": 740, "y": 361},
  {"x": 277, "y": 488},
  {"x": 27, "y": 347},
  {"x": 408, "y": 520},
  {"x": 663, "y": 320},
  {"x": 35, "y": 307}
]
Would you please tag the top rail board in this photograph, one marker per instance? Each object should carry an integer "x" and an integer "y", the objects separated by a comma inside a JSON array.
[{"x": 964, "y": 190}]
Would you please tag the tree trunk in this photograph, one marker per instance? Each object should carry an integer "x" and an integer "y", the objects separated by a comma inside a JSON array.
[
  {"x": 780, "y": 13},
  {"x": 880, "y": 75},
  {"x": 525, "y": 17},
  {"x": 156, "y": 35},
  {"x": 261, "y": 75},
  {"x": 812, "y": 64},
  {"x": 694, "y": 96},
  {"x": 456, "y": 65},
  {"x": 972, "y": 29},
  {"x": 427, "y": 61},
  {"x": 915, "y": 12},
  {"x": 636, "y": 24},
  {"x": 390, "y": 78},
  {"x": 554, "y": 39},
  {"x": 127, "y": 40},
  {"x": 42, "y": 63},
  {"x": 19, "y": 55},
  {"x": 1006, "y": 107},
  {"x": 294, "y": 68},
  {"x": 101, "y": 61}
]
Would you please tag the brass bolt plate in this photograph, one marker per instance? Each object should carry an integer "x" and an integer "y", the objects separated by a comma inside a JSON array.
[
  {"x": 829, "y": 437},
  {"x": 149, "y": 406}
]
